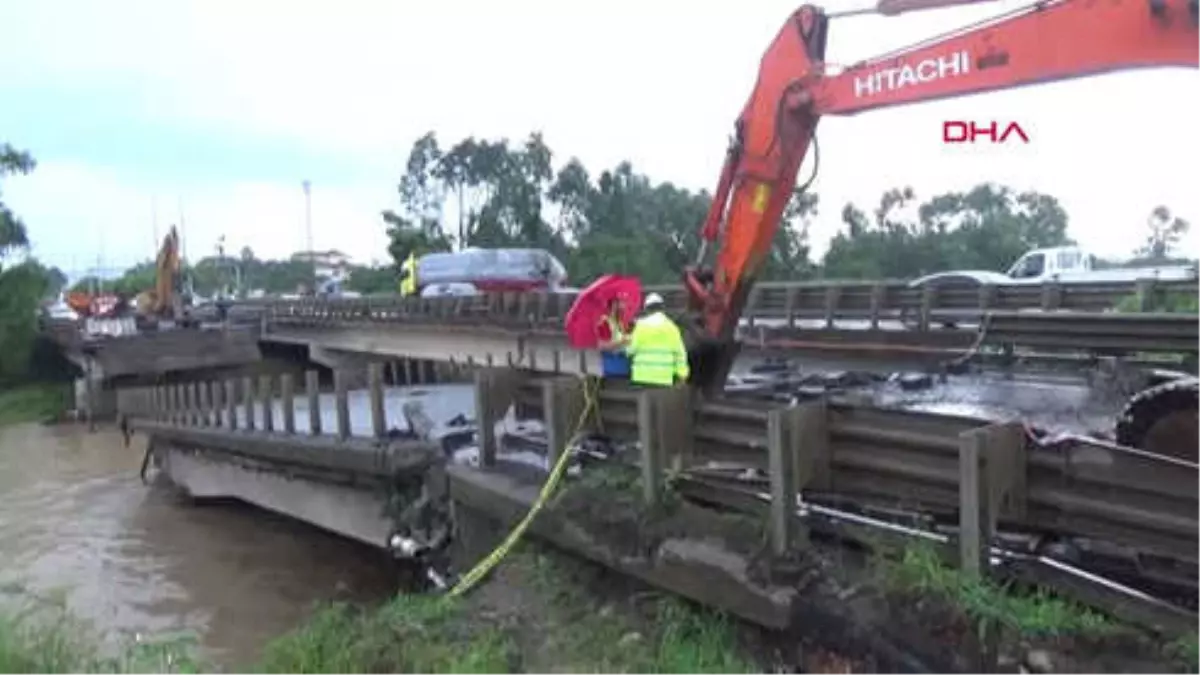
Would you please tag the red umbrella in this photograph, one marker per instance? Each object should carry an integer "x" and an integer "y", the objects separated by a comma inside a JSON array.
[{"x": 585, "y": 321}]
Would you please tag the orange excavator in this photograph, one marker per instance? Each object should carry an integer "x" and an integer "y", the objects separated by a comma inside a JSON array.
[
  {"x": 163, "y": 301},
  {"x": 1048, "y": 41}
]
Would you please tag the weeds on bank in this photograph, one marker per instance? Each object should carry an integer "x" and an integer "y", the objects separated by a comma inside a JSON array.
[
  {"x": 621, "y": 484},
  {"x": 592, "y": 635},
  {"x": 414, "y": 634},
  {"x": 920, "y": 570},
  {"x": 561, "y": 626},
  {"x": 47, "y": 639},
  {"x": 32, "y": 402},
  {"x": 1186, "y": 650}
]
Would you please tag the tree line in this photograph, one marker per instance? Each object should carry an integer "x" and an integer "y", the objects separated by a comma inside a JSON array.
[
  {"x": 24, "y": 281},
  {"x": 500, "y": 193}
]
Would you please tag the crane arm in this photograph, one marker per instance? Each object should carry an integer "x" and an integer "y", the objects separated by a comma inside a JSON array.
[{"x": 1049, "y": 41}]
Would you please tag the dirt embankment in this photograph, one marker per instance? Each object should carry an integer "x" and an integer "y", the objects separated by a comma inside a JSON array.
[
  {"x": 545, "y": 611},
  {"x": 870, "y": 612}
]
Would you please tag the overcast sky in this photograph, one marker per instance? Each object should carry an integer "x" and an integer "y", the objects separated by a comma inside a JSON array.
[{"x": 225, "y": 107}]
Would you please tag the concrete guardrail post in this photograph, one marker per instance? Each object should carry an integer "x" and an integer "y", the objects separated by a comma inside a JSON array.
[
  {"x": 495, "y": 391},
  {"x": 266, "y": 393},
  {"x": 833, "y": 294},
  {"x": 928, "y": 299},
  {"x": 992, "y": 482},
  {"x": 780, "y": 465},
  {"x": 563, "y": 403},
  {"x": 248, "y": 402},
  {"x": 652, "y": 451},
  {"x": 878, "y": 301},
  {"x": 1051, "y": 296},
  {"x": 180, "y": 418},
  {"x": 287, "y": 401},
  {"x": 1145, "y": 294},
  {"x": 205, "y": 404},
  {"x": 342, "y": 397},
  {"x": 312, "y": 384},
  {"x": 974, "y": 533},
  {"x": 375, "y": 389},
  {"x": 218, "y": 403},
  {"x": 231, "y": 417}
]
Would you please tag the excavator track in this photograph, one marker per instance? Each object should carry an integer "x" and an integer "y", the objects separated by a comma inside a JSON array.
[{"x": 1163, "y": 419}]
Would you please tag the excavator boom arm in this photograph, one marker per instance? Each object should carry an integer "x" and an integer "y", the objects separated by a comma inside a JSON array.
[{"x": 1049, "y": 41}]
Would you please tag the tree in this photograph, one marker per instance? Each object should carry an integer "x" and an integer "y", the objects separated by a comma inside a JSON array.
[
  {"x": 12, "y": 230},
  {"x": 372, "y": 280},
  {"x": 21, "y": 285},
  {"x": 1165, "y": 232},
  {"x": 416, "y": 228},
  {"x": 985, "y": 228}
]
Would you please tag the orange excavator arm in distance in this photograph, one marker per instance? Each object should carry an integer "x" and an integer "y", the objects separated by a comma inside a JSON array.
[{"x": 1049, "y": 41}]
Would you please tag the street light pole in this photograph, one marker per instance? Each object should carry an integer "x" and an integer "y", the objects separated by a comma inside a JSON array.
[{"x": 312, "y": 259}]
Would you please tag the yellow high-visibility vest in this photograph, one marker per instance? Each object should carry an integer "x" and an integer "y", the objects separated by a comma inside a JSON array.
[
  {"x": 657, "y": 351},
  {"x": 408, "y": 285}
]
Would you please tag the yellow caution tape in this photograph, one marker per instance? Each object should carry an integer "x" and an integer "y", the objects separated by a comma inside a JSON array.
[{"x": 483, "y": 567}]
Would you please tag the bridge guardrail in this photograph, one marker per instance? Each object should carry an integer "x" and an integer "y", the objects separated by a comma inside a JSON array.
[
  {"x": 1062, "y": 327},
  {"x": 981, "y": 476},
  {"x": 1073, "y": 487},
  {"x": 789, "y": 302}
]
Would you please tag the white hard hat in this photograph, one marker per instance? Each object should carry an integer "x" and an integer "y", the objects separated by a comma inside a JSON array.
[{"x": 652, "y": 300}]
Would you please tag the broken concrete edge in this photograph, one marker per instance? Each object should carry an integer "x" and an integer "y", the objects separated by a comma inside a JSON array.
[
  {"x": 339, "y": 506},
  {"x": 369, "y": 457},
  {"x": 1156, "y": 617},
  {"x": 176, "y": 350},
  {"x": 505, "y": 499}
]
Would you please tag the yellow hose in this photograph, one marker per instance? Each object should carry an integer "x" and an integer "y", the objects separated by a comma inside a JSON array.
[{"x": 486, "y": 565}]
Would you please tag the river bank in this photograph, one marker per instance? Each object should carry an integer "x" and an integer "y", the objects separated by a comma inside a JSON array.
[
  {"x": 33, "y": 402},
  {"x": 541, "y": 611}
]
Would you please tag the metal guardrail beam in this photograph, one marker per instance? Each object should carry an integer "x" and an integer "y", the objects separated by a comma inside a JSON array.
[
  {"x": 1073, "y": 487},
  {"x": 1069, "y": 329},
  {"x": 789, "y": 300}
]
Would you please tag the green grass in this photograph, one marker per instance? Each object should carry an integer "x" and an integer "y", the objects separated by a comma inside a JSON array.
[
  {"x": 1186, "y": 650},
  {"x": 539, "y": 612},
  {"x": 667, "y": 635},
  {"x": 41, "y": 638},
  {"x": 409, "y": 634},
  {"x": 32, "y": 402},
  {"x": 556, "y": 626},
  {"x": 919, "y": 570}
]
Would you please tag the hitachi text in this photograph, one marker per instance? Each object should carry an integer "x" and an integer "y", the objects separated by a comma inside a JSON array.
[{"x": 908, "y": 74}]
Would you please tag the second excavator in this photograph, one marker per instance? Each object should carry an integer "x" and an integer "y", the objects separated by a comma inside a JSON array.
[
  {"x": 1044, "y": 42},
  {"x": 164, "y": 301}
]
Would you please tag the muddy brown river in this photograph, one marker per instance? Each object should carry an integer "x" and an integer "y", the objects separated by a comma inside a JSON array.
[{"x": 76, "y": 520}]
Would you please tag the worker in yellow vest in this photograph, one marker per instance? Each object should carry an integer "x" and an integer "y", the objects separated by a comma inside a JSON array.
[
  {"x": 408, "y": 275},
  {"x": 656, "y": 348}
]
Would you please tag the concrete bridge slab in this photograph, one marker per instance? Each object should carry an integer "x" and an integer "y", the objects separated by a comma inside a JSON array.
[{"x": 478, "y": 345}]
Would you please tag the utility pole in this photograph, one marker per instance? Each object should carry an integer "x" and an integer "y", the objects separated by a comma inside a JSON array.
[
  {"x": 154, "y": 225},
  {"x": 312, "y": 255}
]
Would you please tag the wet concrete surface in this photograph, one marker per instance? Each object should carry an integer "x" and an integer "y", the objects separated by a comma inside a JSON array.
[
  {"x": 1057, "y": 402},
  {"x": 77, "y": 523}
]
